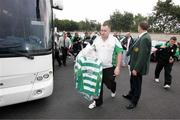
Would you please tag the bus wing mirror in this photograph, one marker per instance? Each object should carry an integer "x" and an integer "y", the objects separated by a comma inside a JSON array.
[{"x": 58, "y": 4}]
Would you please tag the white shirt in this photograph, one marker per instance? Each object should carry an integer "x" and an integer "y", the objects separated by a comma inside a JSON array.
[
  {"x": 128, "y": 42},
  {"x": 67, "y": 42},
  {"x": 107, "y": 50}
]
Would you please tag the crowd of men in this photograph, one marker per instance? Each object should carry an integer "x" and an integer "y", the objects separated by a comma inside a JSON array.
[
  {"x": 67, "y": 44},
  {"x": 115, "y": 51}
]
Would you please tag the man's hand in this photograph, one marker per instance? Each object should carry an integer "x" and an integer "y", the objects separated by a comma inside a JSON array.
[
  {"x": 117, "y": 71},
  {"x": 171, "y": 60},
  {"x": 134, "y": 72},
  {"x": 163, "y": 46}
]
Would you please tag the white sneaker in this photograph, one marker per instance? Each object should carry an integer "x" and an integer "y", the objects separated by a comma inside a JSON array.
[
  {"x": 156, "y": 80},
  {"x": 113, "y": 94},
  {"x": 166, "y": 86},
  {"x": 92, "y": 105}
]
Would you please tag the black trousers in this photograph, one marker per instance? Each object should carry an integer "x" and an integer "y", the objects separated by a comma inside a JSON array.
[
  {"x": 167, "y": 71},
  {"x": 64, "y": 54},
  {"x": 57, "y": 57},
  {"x": 135, "y": 88},
  {"x": 76, "y": 49},
  {"x": 109, "y": 80}
]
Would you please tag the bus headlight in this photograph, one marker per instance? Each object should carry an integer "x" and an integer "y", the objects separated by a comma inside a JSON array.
[
  {"x": 38, "y": 92},
  {"x": 50, "y": 72},
  {"x": 39, "y": 78},
  {"x": 45, "y": 76}
]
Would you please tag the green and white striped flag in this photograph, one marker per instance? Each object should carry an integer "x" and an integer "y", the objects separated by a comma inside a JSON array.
[{"x": 88, "y": 76}]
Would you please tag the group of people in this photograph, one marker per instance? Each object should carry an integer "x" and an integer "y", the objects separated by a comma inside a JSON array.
[
  {"x": 110, "y": 50},
  {"x": 137, "y": 56},
  {"x": 62, "y": 45},
  {"x": 66, "y": 44},
  {"x": 114, "y": 53}
]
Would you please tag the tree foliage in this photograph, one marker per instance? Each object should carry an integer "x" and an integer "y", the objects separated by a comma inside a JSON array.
[
  {"x": 137, "y": 19},
  {"x": 116, "y": 20},
  {"x": 121, "y": 22},
  {"x": 166, "y": 17},
  {"x": 66, "y": 25},
  {"x": 70, "y": 25}
]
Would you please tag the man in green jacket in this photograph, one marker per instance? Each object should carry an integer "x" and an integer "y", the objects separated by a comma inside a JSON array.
[{"x": 139, "y": 64}]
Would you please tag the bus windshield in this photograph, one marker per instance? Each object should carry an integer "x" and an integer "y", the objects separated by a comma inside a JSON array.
[{"x": 25, "y": 26}]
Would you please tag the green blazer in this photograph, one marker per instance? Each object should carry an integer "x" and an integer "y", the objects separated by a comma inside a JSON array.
[{"x": 140, "y": 54}]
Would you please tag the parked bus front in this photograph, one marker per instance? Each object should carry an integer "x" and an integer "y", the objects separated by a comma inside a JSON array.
[{"x": 26, "y": 71}]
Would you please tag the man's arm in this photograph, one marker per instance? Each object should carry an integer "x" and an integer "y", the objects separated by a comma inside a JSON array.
[
  {"x": 119, "y": 50},
  {"x": 118, "y": 66}
]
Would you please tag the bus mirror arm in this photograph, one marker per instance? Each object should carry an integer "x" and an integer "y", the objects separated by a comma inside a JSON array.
[
  {"x": 30, "y": 57},
  {"x": 1, "y": 84}
]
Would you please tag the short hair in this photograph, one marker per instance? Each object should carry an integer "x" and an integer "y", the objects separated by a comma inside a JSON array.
[
  {"x": 106, "y": 23},
  {"x": 144, "y": 25},
  {"x": 173, "y": 38},
  {"x": 64, "y": 32}
]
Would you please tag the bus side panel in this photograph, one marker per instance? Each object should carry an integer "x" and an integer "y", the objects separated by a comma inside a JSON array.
[{"x": 14, "y": 95}]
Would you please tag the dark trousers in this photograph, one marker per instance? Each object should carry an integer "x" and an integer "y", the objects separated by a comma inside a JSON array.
[
  {"x": 167, "y": 71},
  {"x": 76, "y": 49},
  {"x": 109, "y": 80},
  {"x": 64, "y": 54},
  {"x": 135, "y": 88},
  {"x": 57, "y": 57}
]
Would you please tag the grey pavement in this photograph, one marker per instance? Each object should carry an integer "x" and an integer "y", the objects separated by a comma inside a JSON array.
[{"x": 67, "y": 103}]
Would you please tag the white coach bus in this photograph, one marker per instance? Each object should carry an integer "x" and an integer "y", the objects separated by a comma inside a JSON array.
[{"x": 26, "y": 50}]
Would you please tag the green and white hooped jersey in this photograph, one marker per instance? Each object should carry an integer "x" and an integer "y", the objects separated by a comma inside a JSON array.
[
  {"x": 88, "y": 75},
  {"x": 108, "y": 50}
]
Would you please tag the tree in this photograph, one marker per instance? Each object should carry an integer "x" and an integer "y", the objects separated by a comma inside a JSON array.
[
  {"x": 70, "y": 25},
  {"x": 166, "y": 17},
  {"x": 116, "y": 21},
  {"x": 66, "y": 25},
  {"x": 127, "y": 22},
  {"x": 121, "y": 22},
  {"x": 137, "y": 19},
  {"x": 82, "y": 26}
]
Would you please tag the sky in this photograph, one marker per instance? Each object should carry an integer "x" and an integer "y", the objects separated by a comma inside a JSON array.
[{"x": 100, "y": 10}]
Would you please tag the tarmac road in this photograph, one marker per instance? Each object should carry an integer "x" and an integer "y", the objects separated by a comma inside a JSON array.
[{"x": 67, "y": 103}]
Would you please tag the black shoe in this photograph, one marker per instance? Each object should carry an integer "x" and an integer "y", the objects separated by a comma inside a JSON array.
[
  {"x": 127, "y": 97},
  {"x": 130, "y": 106}
]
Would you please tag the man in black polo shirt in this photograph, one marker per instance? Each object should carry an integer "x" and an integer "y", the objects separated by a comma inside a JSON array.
[{"x": 165, "y": 59}]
